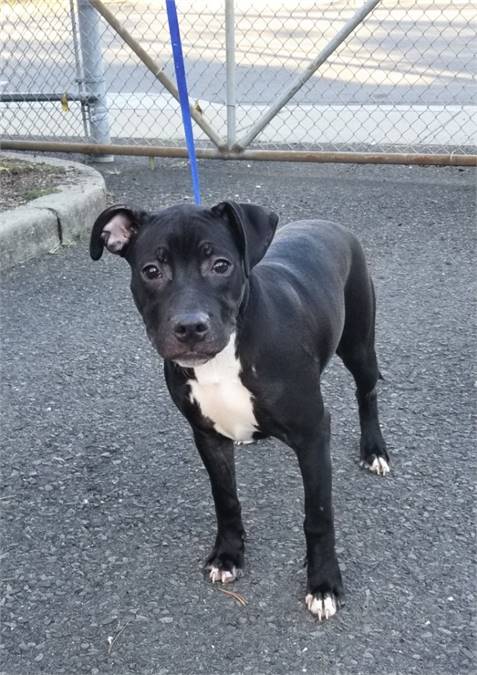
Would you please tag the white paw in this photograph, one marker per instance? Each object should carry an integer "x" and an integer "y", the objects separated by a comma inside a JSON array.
[
  {"x": 321, "y": 606},
  {"x": 222, "y": 576},
  {"x": 379, "y": 466}
]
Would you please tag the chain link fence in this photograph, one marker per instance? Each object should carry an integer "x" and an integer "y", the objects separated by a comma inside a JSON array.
[{"x": 403, "y": 80}]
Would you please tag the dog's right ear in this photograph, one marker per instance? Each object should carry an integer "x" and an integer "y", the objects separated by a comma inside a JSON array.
[
  {"x": 114, "y": 228},
  {"x": 254, "y": 226}
]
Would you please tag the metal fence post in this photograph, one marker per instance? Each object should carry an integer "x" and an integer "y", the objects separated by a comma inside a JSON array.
[
  {"x": 88, "y": 24},
  {"x": 230, "y": 66},
  {"x": 79, "y": 67},
  {"x": 156, "y": 69}
]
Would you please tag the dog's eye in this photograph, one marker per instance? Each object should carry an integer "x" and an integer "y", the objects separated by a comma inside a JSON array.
[
  {"x": 151, "y": 272},
  {"x": 221, "y": 266}
]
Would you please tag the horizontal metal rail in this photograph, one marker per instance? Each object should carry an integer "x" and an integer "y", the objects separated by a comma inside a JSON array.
[
  {"x": 18, "y": 97},
  {"x": 318, "y": 156}
]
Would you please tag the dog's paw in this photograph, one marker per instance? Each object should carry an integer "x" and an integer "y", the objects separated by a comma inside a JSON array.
[
  {"x": 222, "y": 575},
  {"x": 376, "y": 464},
  {"x": 322, "y": 605},
  {"x": 225, "y": 562}
]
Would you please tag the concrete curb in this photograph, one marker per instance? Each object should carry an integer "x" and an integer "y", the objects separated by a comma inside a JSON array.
[{"x": 59, "y": 219}]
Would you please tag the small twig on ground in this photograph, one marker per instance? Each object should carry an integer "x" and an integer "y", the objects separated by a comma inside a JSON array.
[
  {"x": 112, "y": 640},
  {"x": 238, "y": 597}
]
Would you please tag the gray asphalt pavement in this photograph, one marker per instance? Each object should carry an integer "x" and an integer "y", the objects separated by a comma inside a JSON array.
[{"x": 106, "y": 507}]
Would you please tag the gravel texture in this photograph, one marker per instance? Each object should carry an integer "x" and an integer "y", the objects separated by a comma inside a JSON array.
[{"x": 106, "y": 507}]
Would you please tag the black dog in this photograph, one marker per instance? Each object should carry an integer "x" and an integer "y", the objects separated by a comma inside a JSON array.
[{"x": 245, "y": 339}]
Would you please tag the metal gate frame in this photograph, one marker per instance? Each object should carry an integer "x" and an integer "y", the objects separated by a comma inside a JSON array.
[{"x": 94, "y": 101}]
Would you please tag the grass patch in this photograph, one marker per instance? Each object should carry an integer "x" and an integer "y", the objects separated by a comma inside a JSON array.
[
  {"x": 35, "y": 193},
  {"x": 17, "y": 167}
]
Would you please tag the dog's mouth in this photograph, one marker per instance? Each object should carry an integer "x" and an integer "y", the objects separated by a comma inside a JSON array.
[
  {"x": 192, "y": 359},
  {"x": 186, "y": 356},
  {"x": 189, "y": 358}
]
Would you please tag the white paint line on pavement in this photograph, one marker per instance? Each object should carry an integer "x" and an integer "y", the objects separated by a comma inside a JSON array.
[{"x": 157, "y": 116}]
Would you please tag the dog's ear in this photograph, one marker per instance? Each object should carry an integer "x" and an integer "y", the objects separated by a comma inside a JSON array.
[
  {"x": 114, "y": 228},
  {"x": 254, "y": 225}
]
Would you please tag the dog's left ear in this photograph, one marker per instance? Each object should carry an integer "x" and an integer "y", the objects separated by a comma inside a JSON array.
[
  {"x": 115, "y": 228},
  {"x": 254, "y": 225}
]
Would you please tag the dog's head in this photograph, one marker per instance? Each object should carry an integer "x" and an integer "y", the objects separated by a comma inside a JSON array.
[{"x": 189, "y": 269}]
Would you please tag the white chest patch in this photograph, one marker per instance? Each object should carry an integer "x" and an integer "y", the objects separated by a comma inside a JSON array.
[{"x": 221, "y": 396}]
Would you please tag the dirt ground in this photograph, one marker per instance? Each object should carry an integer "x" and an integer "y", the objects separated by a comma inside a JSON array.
[{"x": 21, "y": 181}]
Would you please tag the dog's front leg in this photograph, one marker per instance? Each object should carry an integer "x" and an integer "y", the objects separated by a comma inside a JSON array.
[
  {"x": 226, "y": 559},
  {"x": 324, "y": 587}
]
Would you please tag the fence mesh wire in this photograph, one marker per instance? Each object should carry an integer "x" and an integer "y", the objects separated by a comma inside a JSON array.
[{"x": 403, "y": 80}]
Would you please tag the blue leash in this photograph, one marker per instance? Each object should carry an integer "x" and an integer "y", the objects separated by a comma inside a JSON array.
[{"x": 183, "y": 95}]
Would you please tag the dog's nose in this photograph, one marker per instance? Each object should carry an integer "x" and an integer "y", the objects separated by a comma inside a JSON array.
[{"x": 191, "y": 327}]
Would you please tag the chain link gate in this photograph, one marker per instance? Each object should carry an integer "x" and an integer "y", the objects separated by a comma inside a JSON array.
[{"x": 364, "y": 80}]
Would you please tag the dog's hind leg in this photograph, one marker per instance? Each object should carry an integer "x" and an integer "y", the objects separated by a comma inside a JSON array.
[
  {"x": 373, "y": 453},
  {"x": 357, "y": 351}
]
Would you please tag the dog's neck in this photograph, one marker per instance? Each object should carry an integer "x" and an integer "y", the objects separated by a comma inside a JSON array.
[{"x": 244, "y": 300}]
